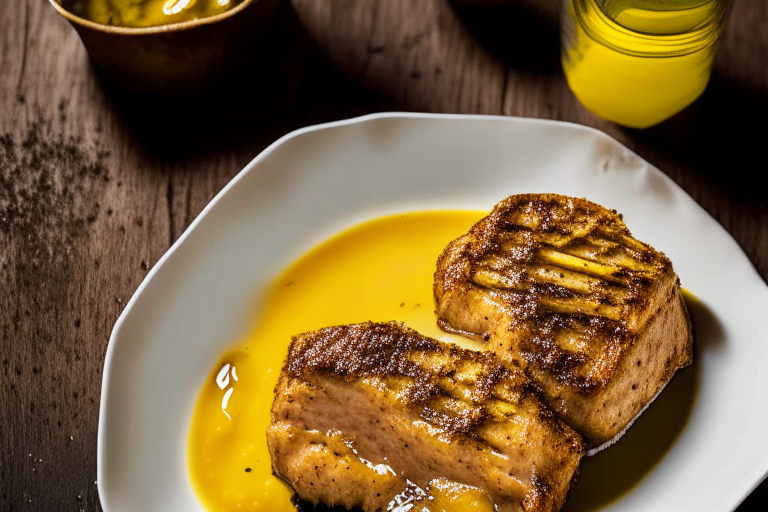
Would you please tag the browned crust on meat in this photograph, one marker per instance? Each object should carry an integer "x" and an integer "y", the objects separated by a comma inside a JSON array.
[
  {"x": 353, "y": 352},
  {"x": 643, "y": 370},
  {"x": 429, "y": 409},
  {"x": 559, "y": 287}
]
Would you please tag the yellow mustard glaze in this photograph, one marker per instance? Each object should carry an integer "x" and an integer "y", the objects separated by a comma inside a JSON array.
[
  {"x": 146, "y": 13},
  {"x": 446, "y": 496},
  {"x": 380, "y": 270}
]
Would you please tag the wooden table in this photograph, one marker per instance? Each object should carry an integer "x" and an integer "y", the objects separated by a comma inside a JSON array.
[{"x": 96, "y": 183}]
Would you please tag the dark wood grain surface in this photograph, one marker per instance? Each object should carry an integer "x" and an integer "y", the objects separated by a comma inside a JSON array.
[{"x": 96, "y": 182}]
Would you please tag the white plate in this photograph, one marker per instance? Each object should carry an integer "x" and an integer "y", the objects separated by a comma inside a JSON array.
[{"x": 318, "y": 180}]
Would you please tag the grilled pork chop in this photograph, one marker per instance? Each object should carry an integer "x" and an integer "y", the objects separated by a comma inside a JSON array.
[
  {"x": 558, "y": 286},
  {"x": 378, "y": 416}
]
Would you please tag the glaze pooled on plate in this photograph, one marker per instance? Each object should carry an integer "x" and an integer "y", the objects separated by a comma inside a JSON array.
[{"x": 379, "y": 270}]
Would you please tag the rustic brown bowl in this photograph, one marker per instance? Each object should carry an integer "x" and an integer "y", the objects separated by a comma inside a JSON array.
[{"x": 176, "y": 59}]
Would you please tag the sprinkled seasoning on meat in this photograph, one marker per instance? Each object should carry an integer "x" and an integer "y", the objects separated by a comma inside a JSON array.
[
  {"x": 375, "y": 414},
  {"x": 558, "y": 287}
]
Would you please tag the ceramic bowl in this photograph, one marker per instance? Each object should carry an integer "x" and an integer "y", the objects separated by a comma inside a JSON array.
[{"x": 179, "y": 58}]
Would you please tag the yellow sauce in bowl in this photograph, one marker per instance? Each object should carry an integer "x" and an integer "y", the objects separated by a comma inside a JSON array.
[
  {"x": 638, "y": 62},
  {"x": 380, "y": 270},
  {"x": 146, "y": 13}
]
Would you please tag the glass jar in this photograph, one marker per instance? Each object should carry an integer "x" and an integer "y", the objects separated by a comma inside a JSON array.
[{"x": 638, "y": 62}]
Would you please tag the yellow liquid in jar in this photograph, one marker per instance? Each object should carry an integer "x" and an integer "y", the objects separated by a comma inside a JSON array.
[
  {"x": 380, "y": 270},
  {"x": 146, "y": 13},
  {"x": 638, "y": 62}
]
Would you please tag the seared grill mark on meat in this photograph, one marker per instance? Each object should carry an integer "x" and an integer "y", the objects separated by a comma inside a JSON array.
[
  {"x": 558, "y": 286},
  {"x": 425, "y": 409},
  {"x": 427, "y": 373}
]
